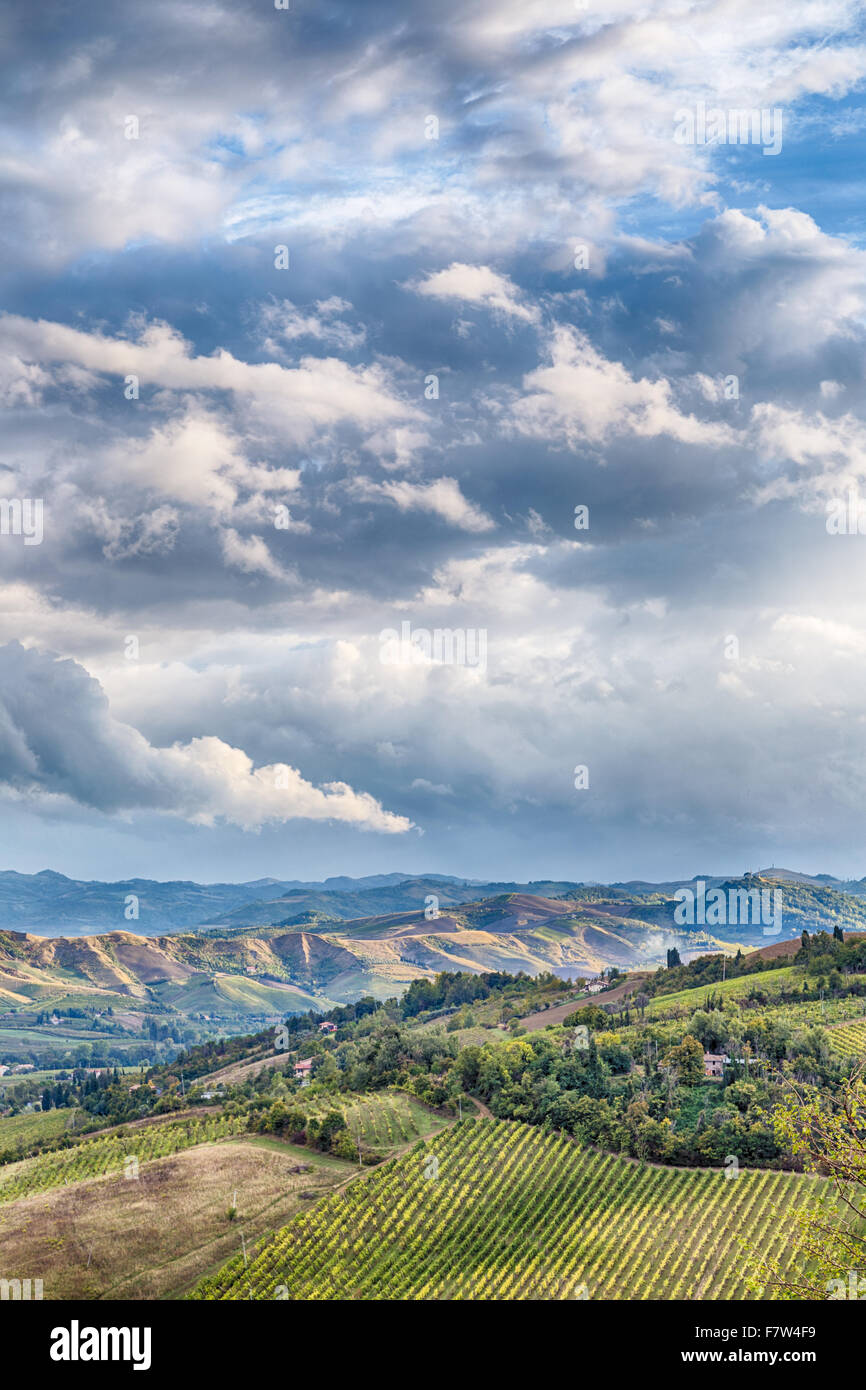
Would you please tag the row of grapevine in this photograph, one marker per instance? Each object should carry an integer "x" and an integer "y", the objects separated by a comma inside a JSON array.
[
  {"x": 849, "y": 1041},
  {"x": 383, "y": 1119},
  {"x": 498, "y": 1210},
  {"x": 111, "y": 1153}
]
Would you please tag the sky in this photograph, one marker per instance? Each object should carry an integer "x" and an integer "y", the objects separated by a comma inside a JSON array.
[{"x": 326, "y": 329}]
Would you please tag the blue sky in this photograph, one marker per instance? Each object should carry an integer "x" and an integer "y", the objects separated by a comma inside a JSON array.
[{"x": 250, "y": 472}]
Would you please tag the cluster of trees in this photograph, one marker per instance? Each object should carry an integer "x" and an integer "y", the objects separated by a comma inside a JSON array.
[
  {"x": 833, "y": 957},
  {"x": 328, "y": 1134},
  {"x": 451, "y": 989},
  {"x": 664, "y": 1112},
  {"x": 635, "y": 1087}
]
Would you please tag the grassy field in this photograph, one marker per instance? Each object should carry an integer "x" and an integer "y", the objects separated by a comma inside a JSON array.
[
  {"x": 156, "y": 1237},
  {"x": 466, "y": 1037},
  {"x": 117, "y": 1151},
  {"x": 32, "y": 1125},
  {"x": 12, "y": 1078},
  {"x": 498, "y": 1210},
  {"x": 56, "y": 1046},
  {"x": 770, "y": 983}
]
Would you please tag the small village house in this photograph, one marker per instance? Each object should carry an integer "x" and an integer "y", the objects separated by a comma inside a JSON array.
[{"x": 714, "y": 1065}]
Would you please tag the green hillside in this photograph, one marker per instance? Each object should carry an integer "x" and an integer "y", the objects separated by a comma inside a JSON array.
[{"x": 497, "y": 1210}]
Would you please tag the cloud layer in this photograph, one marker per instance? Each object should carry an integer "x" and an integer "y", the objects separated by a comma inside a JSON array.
[{"x": 326, "y": 325}]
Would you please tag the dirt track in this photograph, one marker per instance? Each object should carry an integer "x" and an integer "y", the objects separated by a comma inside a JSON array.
[{"x": 561, "y": 1011}]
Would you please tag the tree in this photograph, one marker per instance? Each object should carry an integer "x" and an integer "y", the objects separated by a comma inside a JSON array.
[
  {"x": 331, "y": 1125},
  {"x": 343, "y": 1145},
  {"x": 673, "y": 958},
  {"x": 830, "y": 1140},
  {"x": 275, "y": 1120},
  {"x": 688, "y": 1058}
]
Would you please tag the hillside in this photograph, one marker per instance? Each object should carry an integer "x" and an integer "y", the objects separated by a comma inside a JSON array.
[
  {"x": 559, "y": 1223},
  {"x": 121, "y": 982},
  {"x": 59, "y": 994},
  {"x": 344, "y": 1164}
]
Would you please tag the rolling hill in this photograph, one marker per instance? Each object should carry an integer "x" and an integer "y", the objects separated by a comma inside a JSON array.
[{"x": 559, "y": 1223}]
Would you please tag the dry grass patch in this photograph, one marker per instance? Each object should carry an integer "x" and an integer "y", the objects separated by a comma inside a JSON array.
[{"x": 153, "y": 1237}]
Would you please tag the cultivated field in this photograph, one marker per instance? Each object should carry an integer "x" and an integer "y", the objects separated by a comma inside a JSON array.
[
  {"x": 497, "y": 1210},
  {"x": 117, "y": 1151},
  {"x": 112, "y": 1238},
  {"x": 769, "y": 983},
  {"x": 850, "y": 1040},
  {"x": 382, "y": 1120},
  {"x": 18, "y": 1132}
]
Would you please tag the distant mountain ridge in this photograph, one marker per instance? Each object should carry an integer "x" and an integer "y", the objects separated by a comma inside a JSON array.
[
  {"x": 217, "y": 977},
  {"x": 50, "y": 904}
]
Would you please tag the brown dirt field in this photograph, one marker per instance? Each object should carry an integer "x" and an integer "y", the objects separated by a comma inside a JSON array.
[
  {"x": 790, "y": 948},
  {"x": 532, "y": 1022},
  {"x": 153, "y": 1238}
]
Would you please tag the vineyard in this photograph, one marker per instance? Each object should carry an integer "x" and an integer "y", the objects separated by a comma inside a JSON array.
[
  {"x": 498, "y": 1210},
  {"x": 849, "y": 1041},
  {"x": 18, "y": 1132},
  {"x": 94, "y": 1158},
  {"x": 769, "y": 983},
  {"x": 381, "y": 1120}
]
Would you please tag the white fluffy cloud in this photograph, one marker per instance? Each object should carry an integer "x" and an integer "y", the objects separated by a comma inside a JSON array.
[
  {"x": 296, "y": 402},
  {"x": 478, "y": 285},
  {"x": 442, "y": 497},
  {"x": 581, "y": 396},
  {"x": 813, "y": 458},
  {"x": 282, "y": 324},
  {"x": 59, "y": 739}
]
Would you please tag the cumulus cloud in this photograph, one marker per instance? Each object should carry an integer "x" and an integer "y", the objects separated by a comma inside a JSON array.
[
  {"x": 441, "y": 496},
  {"x": 813, "y": 457},
  {"x": 581, "y": 396},
  {"x": 282, "y": 491},
  {"x": 479, "y": 285},
  {"x": 298, "y": 402},
  {"x": 59, "y": 739},
  {"x": 533, "y": 94},
  {"x": 283, "y": 324}
]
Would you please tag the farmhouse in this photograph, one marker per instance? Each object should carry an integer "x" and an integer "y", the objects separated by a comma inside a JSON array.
[
  {"x": 327, "y": 1027},
  {"x": 303, "y": 1069},
  {"x": 714, "y": 1064}
]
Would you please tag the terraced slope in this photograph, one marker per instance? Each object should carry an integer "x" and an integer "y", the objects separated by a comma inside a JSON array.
[{"x": 496, "y": 1210}]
